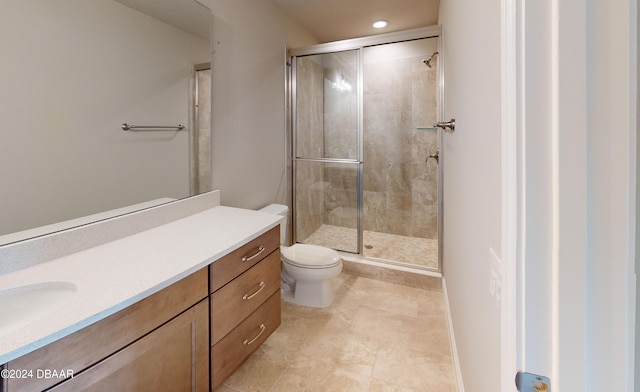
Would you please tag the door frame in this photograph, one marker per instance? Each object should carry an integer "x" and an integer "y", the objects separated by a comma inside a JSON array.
[
  {"x": 511, "y": 232},
  {"x": 568, "y": 280}
]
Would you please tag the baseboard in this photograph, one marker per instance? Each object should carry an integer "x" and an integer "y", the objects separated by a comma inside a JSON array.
[{"x": 452, "y": 339}]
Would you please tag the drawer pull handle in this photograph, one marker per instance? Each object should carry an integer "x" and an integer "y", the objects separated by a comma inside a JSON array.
[
  {"x": 248, "y": 342},
  {"x": 253, "y": 256},
  {"x": 249, "y": 296}
]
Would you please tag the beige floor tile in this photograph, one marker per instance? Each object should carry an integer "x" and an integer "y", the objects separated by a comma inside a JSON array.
[
  {"x": 376, "y": 336},
  {"x": 258, "y": 374},
  {"x": 431, "y": 306},
  {"x": 345, "y": 381},
  {"x": 383, "y": 386},
  {"x": 385, "y": 296},
  {"x": 401, "y": 364},
  {"x": 304, "y": 374},
  {"x": 346, "y": 350},
  {"x": 282, "y": 345},
  {"x": 386, "y": 326}
]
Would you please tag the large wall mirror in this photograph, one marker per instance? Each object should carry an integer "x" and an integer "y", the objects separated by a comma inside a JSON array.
[{"x": 73, "y": 71}]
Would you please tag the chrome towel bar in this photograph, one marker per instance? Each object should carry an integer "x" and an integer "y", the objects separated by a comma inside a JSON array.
[{"x": 128, "y": 127}]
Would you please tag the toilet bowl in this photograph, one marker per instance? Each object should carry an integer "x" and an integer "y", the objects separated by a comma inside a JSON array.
[{"x": 307, "y": 270}]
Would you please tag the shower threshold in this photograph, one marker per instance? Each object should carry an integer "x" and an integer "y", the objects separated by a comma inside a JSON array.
[{"x": 391, "y": 248}]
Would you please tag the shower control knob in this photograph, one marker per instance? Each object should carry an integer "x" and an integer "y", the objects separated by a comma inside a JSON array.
[{"x": 435, "y": 156}]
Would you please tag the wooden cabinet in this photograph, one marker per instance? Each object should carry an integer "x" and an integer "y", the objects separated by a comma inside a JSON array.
[
  {"x": 190, "y": 336},
  {"x": 172, "y": 358},
  {"x": 97, "y": 355},
  {"x": 245, "y": 303}
]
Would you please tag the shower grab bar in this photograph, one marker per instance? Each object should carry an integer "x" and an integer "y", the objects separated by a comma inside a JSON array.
[
  {"x": 128, "y": 127},
  {"x": 449, "y": 126}
]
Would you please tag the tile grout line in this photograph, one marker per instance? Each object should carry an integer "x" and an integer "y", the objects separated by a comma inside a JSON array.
[{"x": 279, "y": 378}]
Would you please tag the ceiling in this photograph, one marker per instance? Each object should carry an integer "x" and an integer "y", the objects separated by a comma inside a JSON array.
[
  {"x": 327, "y": 20},
  {"x": 334, "y": 20}
]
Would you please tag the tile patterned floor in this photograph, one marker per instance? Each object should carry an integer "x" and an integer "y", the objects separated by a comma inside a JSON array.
[
  {"x": 412, "y": 250},
  {"x": 376, "y": 336}
]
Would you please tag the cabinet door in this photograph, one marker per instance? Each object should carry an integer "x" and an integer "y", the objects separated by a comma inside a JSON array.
[
  {"x": 174, "y": 357},
  {"x": 92, "y": 344}
]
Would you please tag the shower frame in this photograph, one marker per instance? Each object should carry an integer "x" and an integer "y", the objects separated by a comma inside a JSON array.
[{"x": 360, "y": 44}]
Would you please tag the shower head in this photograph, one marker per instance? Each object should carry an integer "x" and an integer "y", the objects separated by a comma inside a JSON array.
[{"x": 427, "y": 62}]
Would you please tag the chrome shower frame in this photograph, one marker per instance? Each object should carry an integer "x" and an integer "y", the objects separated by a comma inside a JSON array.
[{"x": 359, "y": 44}]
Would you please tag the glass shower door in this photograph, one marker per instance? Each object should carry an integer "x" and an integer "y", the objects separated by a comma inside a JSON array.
[
  {"x": 401, "y": 168},
  {"x": 327, "y": 150}
]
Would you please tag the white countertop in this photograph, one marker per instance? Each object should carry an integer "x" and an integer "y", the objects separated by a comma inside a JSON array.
[{"x": 114, "y": 275}]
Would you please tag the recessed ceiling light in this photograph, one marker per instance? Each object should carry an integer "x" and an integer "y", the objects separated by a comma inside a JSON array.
[{"x": 378, "y": 24}]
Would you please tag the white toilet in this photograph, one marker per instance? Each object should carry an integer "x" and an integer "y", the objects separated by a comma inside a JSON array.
[{"x": 307, "y": 270}]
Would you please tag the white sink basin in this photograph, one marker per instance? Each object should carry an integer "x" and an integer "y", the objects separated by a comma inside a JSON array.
[{"x": 22, "y": 305}]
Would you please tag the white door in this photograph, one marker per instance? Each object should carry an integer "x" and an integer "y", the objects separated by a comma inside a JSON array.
[{"x": 569, "y": 284}]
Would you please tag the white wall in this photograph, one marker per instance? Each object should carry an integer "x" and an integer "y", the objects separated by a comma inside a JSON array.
[
  {"x": 611, "y": 67},
  {"x": 472, "y": 183},
  {"x": 248, "y": 106},
  {"x": 72, "y": 71}
]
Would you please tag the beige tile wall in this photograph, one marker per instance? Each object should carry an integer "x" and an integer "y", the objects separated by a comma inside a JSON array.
[
  {"x": 400, "y": 185},
  {"x": 309, "y": 143},
  {"x": 204, "y": 131}
]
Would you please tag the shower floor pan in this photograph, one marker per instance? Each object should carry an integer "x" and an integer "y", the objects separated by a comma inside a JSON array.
[{"x": 411, "y": 250}]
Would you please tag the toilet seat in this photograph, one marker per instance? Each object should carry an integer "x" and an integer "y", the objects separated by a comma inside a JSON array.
[{"x": 310, "y": 256}]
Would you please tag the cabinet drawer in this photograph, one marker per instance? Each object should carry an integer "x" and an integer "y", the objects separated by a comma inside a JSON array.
[
  {"x": 228, "y": 267},
  {"x": 235, "y": 301},
  {"x": 82, "y": 349},
  {"x": 229, "y": 353}
]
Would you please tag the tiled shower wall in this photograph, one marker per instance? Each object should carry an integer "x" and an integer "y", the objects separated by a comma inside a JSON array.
[
  {"x": 309, "y": 137},
  {"x": 400, "y": 184},
  {"x": 204, "y": 131}
]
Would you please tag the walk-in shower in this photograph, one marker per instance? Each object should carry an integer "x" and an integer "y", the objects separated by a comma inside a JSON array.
[{"x": 365, "y": 154}]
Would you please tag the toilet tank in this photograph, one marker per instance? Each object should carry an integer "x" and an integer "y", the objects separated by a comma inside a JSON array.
[{"x": 283, "y": 211}]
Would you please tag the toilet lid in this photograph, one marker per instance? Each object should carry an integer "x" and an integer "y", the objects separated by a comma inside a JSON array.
[{"x": 310, "y": 256}]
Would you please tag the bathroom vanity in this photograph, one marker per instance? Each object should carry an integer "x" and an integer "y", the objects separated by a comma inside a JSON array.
[
  {"x": 161, "y": 340},
  {"x": 176, "y": 307}
]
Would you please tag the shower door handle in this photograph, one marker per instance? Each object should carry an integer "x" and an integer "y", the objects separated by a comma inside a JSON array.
[{"x": 448, "y": 126}]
